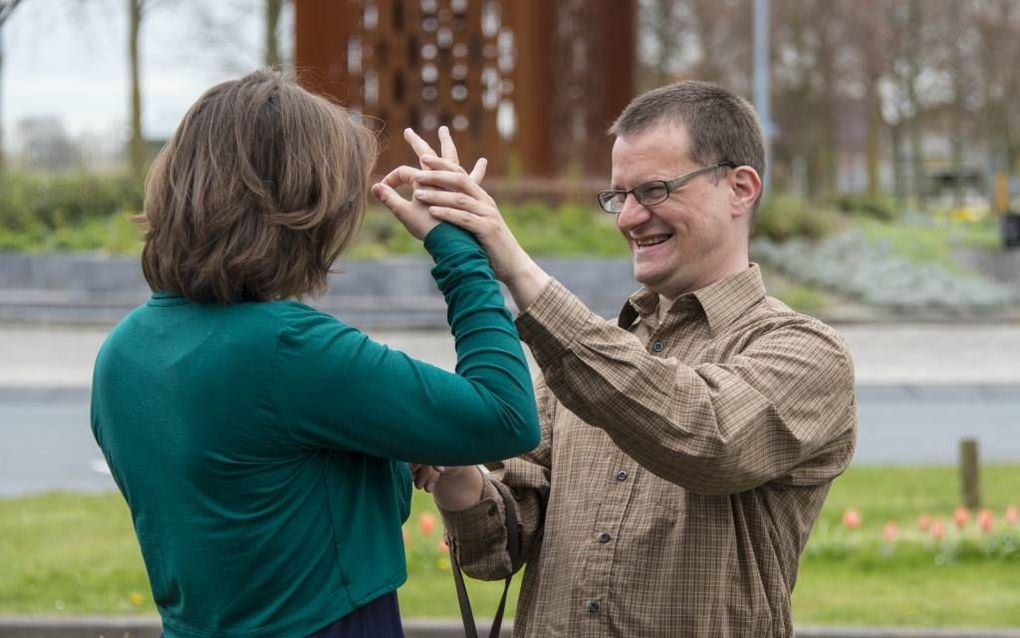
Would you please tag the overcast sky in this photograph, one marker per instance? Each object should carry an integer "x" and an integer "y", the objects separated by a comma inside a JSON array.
[{"x": 68, "y": 58}]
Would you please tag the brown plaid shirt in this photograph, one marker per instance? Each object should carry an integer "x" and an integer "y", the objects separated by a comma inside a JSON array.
[{"x": 681, "y": 466}]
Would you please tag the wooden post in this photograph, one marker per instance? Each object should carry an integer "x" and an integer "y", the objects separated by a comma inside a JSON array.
[{"x": 970, "y": 475}]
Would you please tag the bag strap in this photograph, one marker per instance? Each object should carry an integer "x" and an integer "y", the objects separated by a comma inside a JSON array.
[{"x": 513, "y": 546}]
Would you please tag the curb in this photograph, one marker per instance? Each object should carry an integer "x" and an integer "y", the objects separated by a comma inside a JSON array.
[
  {"x": 393, "y": 292},
  {"x": 149, "y": 627}
]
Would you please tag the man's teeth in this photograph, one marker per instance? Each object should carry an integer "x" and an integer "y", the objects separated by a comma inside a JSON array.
[{"x": 651, "y": 241}]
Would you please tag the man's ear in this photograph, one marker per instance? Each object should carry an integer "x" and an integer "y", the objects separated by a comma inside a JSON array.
[{"x": 745, "y": 186}]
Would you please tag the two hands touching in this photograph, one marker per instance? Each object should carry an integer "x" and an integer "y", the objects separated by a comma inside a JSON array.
[{"x": 444, "y": 191}]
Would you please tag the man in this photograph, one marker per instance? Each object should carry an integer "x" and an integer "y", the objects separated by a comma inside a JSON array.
[{"x": 687, "y": 446}]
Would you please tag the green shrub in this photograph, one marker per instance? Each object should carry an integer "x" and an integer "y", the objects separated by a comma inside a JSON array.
[
  {"x": 877, "y": 206},
  {"x": 60, "y": 200},
  {"x": 782, "y": 217}
]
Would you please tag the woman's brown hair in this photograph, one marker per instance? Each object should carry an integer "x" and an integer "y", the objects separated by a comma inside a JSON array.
[{"x": 259, "y": 190}]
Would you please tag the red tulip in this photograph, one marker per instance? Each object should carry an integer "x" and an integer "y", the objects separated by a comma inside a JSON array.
[
  {"x": 427, "y": 523},
  {"x": 1012, "y": 516},
  {"x": 986, "y": 521},
  {"x": 890, "y": 532},
  {"x": 851, "y": 518},
  {"x": 961, "y": 516},
  {"x": 923, "y": 522},
  {"x": 938, "y": 530}
]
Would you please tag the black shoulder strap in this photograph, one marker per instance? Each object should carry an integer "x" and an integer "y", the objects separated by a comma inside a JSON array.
[{"x": 513, "y": 546}]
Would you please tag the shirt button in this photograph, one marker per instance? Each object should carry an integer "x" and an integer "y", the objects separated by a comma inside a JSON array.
[
  {"x": 621, "y": 475},
  {"x": 657, "y": 346},
  {"x": 604, "y": 537},
  {"x": 593, "y": 607}
]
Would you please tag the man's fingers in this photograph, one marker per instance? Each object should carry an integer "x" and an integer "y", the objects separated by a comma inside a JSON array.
[
  {"x": 455, "y": 216},
  {"x": 447, "y": 146},
  {"x": 451, "y": 180},
  {"x": 420, "y": 147},
  {"x": 478, "y": 172},
  {"x": 450, "y": 199}
]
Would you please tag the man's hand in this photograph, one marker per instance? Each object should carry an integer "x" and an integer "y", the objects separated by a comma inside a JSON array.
[
  {"x": 454, "y": 488},
  {"x": 411, "y": 214},
  {"x": 451, "y": 195}
]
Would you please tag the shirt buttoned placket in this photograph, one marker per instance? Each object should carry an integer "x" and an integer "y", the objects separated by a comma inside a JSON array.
[{"x": 617, "y": 481}]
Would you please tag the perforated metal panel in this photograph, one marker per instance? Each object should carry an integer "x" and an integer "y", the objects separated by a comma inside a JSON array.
[{"x": 529, "y": 84}]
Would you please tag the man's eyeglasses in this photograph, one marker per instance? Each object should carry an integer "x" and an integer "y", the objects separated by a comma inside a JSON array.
[{"x": 652, "y": 193}]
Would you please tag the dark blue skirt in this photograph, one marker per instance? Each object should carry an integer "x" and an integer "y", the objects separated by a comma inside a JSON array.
[{"x": 379, "y": 618}]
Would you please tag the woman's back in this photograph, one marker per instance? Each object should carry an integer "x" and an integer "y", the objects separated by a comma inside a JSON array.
[
  {"x": 260, "y": 444},
  {"x": 253, "y": 443},
  {"x": 241, "y": 521}
]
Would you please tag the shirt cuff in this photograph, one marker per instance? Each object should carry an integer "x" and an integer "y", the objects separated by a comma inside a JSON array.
[
  {"x": 478, "y": 535},
  {"x": 551, "y": 323},
  {"x": 448, "y": 238}
]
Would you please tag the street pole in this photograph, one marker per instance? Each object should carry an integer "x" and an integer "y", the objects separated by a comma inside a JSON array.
[{"x": 762, "y": 100}]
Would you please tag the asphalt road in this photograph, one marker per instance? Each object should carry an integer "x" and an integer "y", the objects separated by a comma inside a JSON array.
[{"x": 920, "y": 389}]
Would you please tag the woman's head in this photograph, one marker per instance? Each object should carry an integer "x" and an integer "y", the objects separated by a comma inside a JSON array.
[{"x": 258, "y": 191}]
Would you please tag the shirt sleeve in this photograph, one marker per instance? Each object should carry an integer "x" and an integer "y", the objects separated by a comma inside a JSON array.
[
  {"x": 478, "y": 534},
  {"x": 336, "y": 388},
  {"x": 782, "y": 408}
]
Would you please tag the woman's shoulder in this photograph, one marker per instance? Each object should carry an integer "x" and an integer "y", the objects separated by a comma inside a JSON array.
[{"x": 296, "y": 320}]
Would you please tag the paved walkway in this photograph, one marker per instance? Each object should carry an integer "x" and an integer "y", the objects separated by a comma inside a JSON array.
[{"x": 895, "y": 354}]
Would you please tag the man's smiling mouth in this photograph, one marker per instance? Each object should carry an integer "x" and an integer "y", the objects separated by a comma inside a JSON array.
[{"x": 651, "y": 240}]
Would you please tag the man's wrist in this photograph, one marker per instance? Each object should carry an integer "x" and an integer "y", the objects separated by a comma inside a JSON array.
[{"x": 526, "y": 284}]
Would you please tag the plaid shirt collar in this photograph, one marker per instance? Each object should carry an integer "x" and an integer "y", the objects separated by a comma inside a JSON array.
[{"x": 721, "y": 303}]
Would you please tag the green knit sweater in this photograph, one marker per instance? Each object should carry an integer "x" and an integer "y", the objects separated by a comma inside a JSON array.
[{"x": 260, "y": 446}]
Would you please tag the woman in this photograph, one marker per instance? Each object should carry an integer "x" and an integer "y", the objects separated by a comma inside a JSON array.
[{"x": 259, "y": 443}]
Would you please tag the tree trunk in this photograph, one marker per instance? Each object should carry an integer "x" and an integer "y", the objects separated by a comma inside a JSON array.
[
  {"x": 957, "y": 67},
  {"x": 873, "y": 148},
  {"x": 272, "y": 52},
  {"x": 914, "y": 58},
  {"x": 3, "y": 164},
  {"x": 5, "y": 13},
  {"x": 137, "y": 144}
]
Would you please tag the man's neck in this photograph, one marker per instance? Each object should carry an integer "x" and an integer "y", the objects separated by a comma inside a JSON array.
[{"x": 666, "y": 302}]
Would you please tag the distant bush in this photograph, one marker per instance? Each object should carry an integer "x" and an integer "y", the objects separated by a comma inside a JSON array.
[
  {"x": 877, "y": 206},
  {"x": 48, "y": 202},
  {"x": 542, "y": 230},
  {"x": 783, "y": 217}
]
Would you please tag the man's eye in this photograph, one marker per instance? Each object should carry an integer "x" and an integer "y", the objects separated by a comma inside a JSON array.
[{"x": 652, "y": 192}]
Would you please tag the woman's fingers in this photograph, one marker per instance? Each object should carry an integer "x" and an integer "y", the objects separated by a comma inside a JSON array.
[
  {"x": 447, "y": 146},
  {"x": 401, "y": 176},
  {"x": 478, "y": 172},
  {"x": 420, "y": 147}
]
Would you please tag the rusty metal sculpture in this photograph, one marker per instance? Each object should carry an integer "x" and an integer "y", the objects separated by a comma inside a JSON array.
[{"x": 530, "y": 84}]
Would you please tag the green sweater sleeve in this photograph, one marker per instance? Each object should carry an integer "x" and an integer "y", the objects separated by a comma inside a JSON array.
[{"x": 336, "y": 388}]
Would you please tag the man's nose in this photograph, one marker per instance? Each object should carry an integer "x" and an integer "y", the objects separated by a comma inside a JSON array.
[{"x": 632, "y": 215}]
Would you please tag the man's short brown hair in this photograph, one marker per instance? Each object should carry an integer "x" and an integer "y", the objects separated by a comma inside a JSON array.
[
  {"x": 720, "y": 125},
  {"x": 258, "y": 191}
]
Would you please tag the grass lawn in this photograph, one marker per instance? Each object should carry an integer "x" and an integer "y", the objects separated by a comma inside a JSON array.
[{"x": 74, "y": 553}]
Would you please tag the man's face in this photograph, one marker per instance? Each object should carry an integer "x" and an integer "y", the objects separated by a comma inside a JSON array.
[{"x": 688, "y": 241}]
